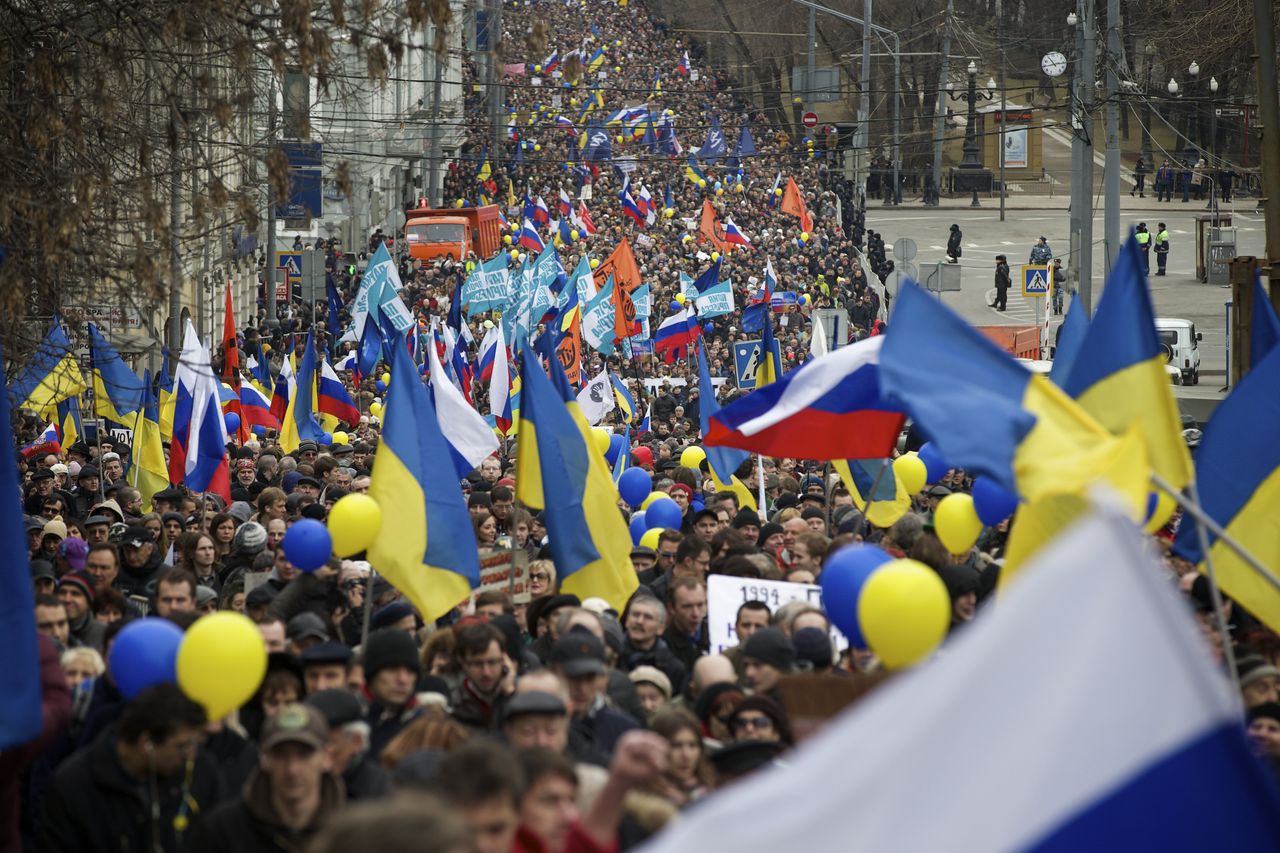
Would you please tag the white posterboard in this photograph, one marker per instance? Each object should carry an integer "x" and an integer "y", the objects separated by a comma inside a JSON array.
[{"x": 726, "y": 594}]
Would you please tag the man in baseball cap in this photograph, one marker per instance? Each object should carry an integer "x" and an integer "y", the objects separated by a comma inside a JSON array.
[{"x": 287, "y": 796}]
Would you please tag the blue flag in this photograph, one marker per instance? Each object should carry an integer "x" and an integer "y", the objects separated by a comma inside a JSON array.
[{"x": 714, "y": 148}]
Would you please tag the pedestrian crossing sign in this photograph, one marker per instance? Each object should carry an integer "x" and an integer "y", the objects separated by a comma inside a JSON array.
[
  {"x": 1035, "y": 280},
  {"x": 746, "y": 358},
  {"x": 293, "y": 262}
]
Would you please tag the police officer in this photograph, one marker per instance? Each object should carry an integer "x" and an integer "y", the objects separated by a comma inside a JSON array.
[
  {"x": 1162, "y": 248},
  {"x": 1143, "y": 236},
  {"x": 1002, "y": 283}
]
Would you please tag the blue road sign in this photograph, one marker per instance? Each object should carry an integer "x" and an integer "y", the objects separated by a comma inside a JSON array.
[
  {"x": 746, "y": 359},
  {"x": 1035, "y": 280}
]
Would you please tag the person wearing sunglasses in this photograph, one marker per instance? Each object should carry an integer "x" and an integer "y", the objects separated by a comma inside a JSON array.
[{"x": 759, "y": 718}]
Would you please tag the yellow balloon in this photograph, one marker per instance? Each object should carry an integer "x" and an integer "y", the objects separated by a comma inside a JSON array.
[
  {"x": 602, "y": 437},
  {"x": 1165, "y": 506},
  {"x": 778, "y": 191},
  {"x": 353, "y": 524},
  {"x": 537, "y": 146},
  {"x": 221, "y": 662},
  {"x": 506, "y": 239},
  {"x": 739, "y": 188},
  {"x": 909, "y": 470},
  {"x": 715, "y": 256},
  {"x": 681, "y": 298},
  {"x": 650, "y": 538},
  {"x": 669, "y": 212},
  {"x": 386, "y": 379},
  {"x": 514, "y": 254},
  {"x": 692, "y": 456},
  {"x": 904, "y": 612},
  {"x": 702, "y": 183},
  {"x": 595, "y": 262},
  {"x": 719, "y": 190},
  {"x": 619, "y": 139},
  {"x": 574, "y": 234},
  {"x": 340, "y": 437},
  {"x": 375, "y": 409},
  {"x": 804, "y": 235},
  {"x": 653, "y": 496},
  {"x": 957, "y": 523}
]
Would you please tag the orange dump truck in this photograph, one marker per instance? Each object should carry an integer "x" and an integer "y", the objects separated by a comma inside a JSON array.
[
  {"x": 435, "y": 233},
  {"x": 1018, "y": 341}
]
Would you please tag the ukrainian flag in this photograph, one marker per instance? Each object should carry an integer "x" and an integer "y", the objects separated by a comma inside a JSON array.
[
  {"x": 988, "y": 414},
  {"x": 889, "y": 502},
  {"x": 117, "y": 390},
  {"x": 1266, "y": 325},
  {"x": 427, "y": 552},
  {"x": 693, "y": 173},
  {"x": 768, "y": 371},
  {"x": 67, "y": 417},
  {"x": 588, "y": 538},
  {"x": 165, "y": 394},
  {"x": 1238, "y": 478},
  {"x": 299, "y": 423},
  {"x": 1070, "y": 341},
  {"x": 720, "y": 460},
  {"x": 596, "y": 60},
  {"x": 148, "y": 472},
  {"x": 625, "y": 401},
  {"x": 1118, "y": 375},
  {"x": 51, "y": 376}
]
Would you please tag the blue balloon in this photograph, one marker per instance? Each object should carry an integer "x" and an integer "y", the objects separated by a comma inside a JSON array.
[
  {"x": 307, "y": 544},
  {"x": 992, "y": 501},
  {"x": 935, "y": 466},
  {"x": 842, "y": 578},
  {"x": 674, "y": 306},
  {"x": 616, "y": 443},
  {"x": 381, "y": 386},
  {"x": 634, "y": 486},
  {"x": 232, "y": 420},
  {"x": 638, "y": 527},
  {"x": 259, "y": 429},
  {"x": 663, "y": 512},
  {"x": 145, "y": 653},
  {"x": 708, "y": 327}
]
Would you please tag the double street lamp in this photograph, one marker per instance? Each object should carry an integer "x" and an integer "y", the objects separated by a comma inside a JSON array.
[{"x": 971, "y": 172}]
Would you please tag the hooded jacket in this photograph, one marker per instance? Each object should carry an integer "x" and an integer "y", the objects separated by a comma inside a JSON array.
[{"x": 249, "y": 823}]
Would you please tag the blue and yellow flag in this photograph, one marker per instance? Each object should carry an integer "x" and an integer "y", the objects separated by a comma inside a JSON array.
[
  {"x": 424, "y": 547},
  {"x": 988, "y": 414},
  {"x": 1238, "y": 480},
  {"x": 1266, "y": 325},
  {"x": 21, "y": 709},
  {"x": 587, "y": 535},
  {"x": 299, "y": 421},
  {"x": 1118, "y": 375},
  {"x": 768, "y": 370},
  {"x": 70, "y": 426},
  {"x": 148, "y": 470},
  {"x": 1070, "y": 340},
  {"x": 890, "y": 500},
  {"x": 51, "y": 376},
  {"x": 117, "y": 390},
  {"x": 626, "y": 402},
  {"x": 167, "y": 399}
]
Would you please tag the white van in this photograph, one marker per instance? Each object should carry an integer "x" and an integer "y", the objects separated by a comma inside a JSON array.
[{"x": 1181, "y": 344}]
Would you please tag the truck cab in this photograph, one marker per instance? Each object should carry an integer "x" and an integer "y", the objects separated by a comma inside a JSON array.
[
  {"x": 437, "y": 237},
  {"x": 1180, "y": 343}
]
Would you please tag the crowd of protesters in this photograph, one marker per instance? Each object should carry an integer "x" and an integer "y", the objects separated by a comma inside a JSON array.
[{"x": 544, "y": 724}]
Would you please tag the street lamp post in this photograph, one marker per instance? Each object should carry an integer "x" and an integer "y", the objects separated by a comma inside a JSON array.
[
  {"x": 1149, "y": 51},
  {"x": 970, "y": 164},
  {"x": 1212, "y": 147},
  {"x": 1193, "y": 76}
]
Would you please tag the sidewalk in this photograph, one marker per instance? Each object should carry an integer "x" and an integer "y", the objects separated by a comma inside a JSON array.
[{"x": 1061, "y": 201}]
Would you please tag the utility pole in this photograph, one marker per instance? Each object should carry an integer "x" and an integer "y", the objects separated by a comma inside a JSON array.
[
  {"x": 1088, "y": 75},
  {"x": 1269, "y": 111},
  {"x": 864, "y": 100},
  {"x": 1111, "y": 171},
  {"x": 813, "y": 38},
  {"x": 270, "y": 278},
  {"x": 175, "y": 226},
  {"x": 940, "y": 111},
  {"x": 433, "y": 146},
  {"x": 496, "y": 126},
  {"x": 1004, "y": 100}
]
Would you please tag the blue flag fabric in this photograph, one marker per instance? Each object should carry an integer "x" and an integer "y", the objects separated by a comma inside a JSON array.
[
  {"x": 713, "y": 149},
  {"x": 724, "y": 461}
]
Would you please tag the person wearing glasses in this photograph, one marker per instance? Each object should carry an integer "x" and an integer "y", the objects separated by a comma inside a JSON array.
[{"x": 759, "y": 718}]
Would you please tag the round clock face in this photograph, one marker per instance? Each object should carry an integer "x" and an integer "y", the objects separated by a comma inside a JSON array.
[{"x": 1054, "y": 64}]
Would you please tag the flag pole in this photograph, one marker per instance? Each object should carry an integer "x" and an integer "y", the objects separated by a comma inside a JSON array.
[
  {"x": 760, "y": 485},
  {"x": 1192, "y": 506},
  {"x": 1215, "y": 594},
  {"x": 368, "y": 608}
]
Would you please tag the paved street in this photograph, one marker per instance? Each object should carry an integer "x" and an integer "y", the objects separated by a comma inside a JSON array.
[{"x": 1177, "y": 295}]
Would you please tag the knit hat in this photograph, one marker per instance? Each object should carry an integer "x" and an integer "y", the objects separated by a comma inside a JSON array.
[
  {"x": 652, "y": 675},
  {"x": 337, "y": 706},
  {"x": 250, "y": 538},
  {"x": 390, "y": 614},
  {"x": 74, "y": 551},
  {"x": 387, "y": 648},
  {"x": 771, "y": 646},
  {"x": 289, "y": 480},
  {"x": 682, "y": 487},
  {"x": 1253, "y": 668},
  {"x": 82, "y": 581},
  {"x": 814, "y": 646},
  {"x": 745, "y": 516},
  {"x": 1267, "y": 710},
  {"x": 240, "y": 511},
  {"x": 767, "y": 530}
]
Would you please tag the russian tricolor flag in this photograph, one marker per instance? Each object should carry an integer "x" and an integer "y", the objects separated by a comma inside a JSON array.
[
  {"x": 255, "y": 408},
  {"x": 830, "y": 408},
  {"x": 732, "y": 234},
  {"x": 630, "y": 207},
  {"x": 541, "y": 214},
  {"x": 551, "y": 63},
  {"x": 565, "y": 204},
  {"x": 46, "y": 443},
  {"x": 1126, "y": 738},
  {"x": 645, "y": 201},
  {"x": 675, "y": 335},
  {"x": 529, "y": 238},
  {"x": 488, "y": 354},
  {"x": 582, "y": 219},
  {"x": 199, "y": 443},
  {"x": 332, "y": 397},
  {"x": 683, "y": 67}
]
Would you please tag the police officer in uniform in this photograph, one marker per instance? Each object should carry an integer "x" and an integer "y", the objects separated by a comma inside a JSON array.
[
  {"x": 1143, "y": 237},
  {"x": 1162, "y": 248},
  {"x": 1002, "y": 283}
]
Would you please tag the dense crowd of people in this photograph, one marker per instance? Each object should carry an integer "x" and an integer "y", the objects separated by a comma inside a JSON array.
[{"x": 524, "y": 719}]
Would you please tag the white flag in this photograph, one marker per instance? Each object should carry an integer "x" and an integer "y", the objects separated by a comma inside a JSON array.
[{"x": 596, "y": 398}]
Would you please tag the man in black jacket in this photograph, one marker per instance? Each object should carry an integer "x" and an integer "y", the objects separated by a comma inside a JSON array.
[
  {"x": 141, "y": 565},
  {"x": 1002, "y": 283},
  {"x": 644, "y": 621},
  {"x": 284, "y": 801},
  {"x": 137, "y": 787}
]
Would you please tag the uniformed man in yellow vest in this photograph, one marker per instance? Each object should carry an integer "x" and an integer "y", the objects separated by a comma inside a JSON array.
[
  {"x": 1162, "y": 248},
  {"x": 1143, "y": 237}
]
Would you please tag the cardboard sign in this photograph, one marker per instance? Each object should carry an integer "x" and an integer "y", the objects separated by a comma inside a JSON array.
[
  {"x": 726, "y": 594},
  {"x": 506, "y": 570}
]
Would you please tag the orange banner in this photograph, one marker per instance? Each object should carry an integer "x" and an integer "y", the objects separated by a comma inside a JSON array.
[
  {"x": 709, "y": 227},
  {"x": 621, "y": 264},
  {"x": 793, "y": 203}
]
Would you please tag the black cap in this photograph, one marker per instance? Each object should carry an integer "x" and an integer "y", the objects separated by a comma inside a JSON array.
[
  {"x": 86, "y": 472},
  {"x": 706, "y": 513},
  {"x": 1001, "y": 258},
  {"x": 813, "y": 512},
  {"x": 42, "y": 569},
  {"x": 578, "y": 653},
  {"x": 772, "y": 647},
  {"x": 136, "y": 537},
  {"x": 745, "y": 517},
  {"x": 327, "y": 652},
  {"x": 337, "y": 706},
  {"x": 308, "y": 446},
  {"x": 260, "y": 596},
  {"x": 306, "y": 625},
  {"x": 644, "y": 551},
  {"x": 41, "y": 474},
  {"x": 742, "y": 757},
  {"x": 97, "y": 519},
  {"x": 305, "y": 480},
  {"x": 534, "y": 702}
]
